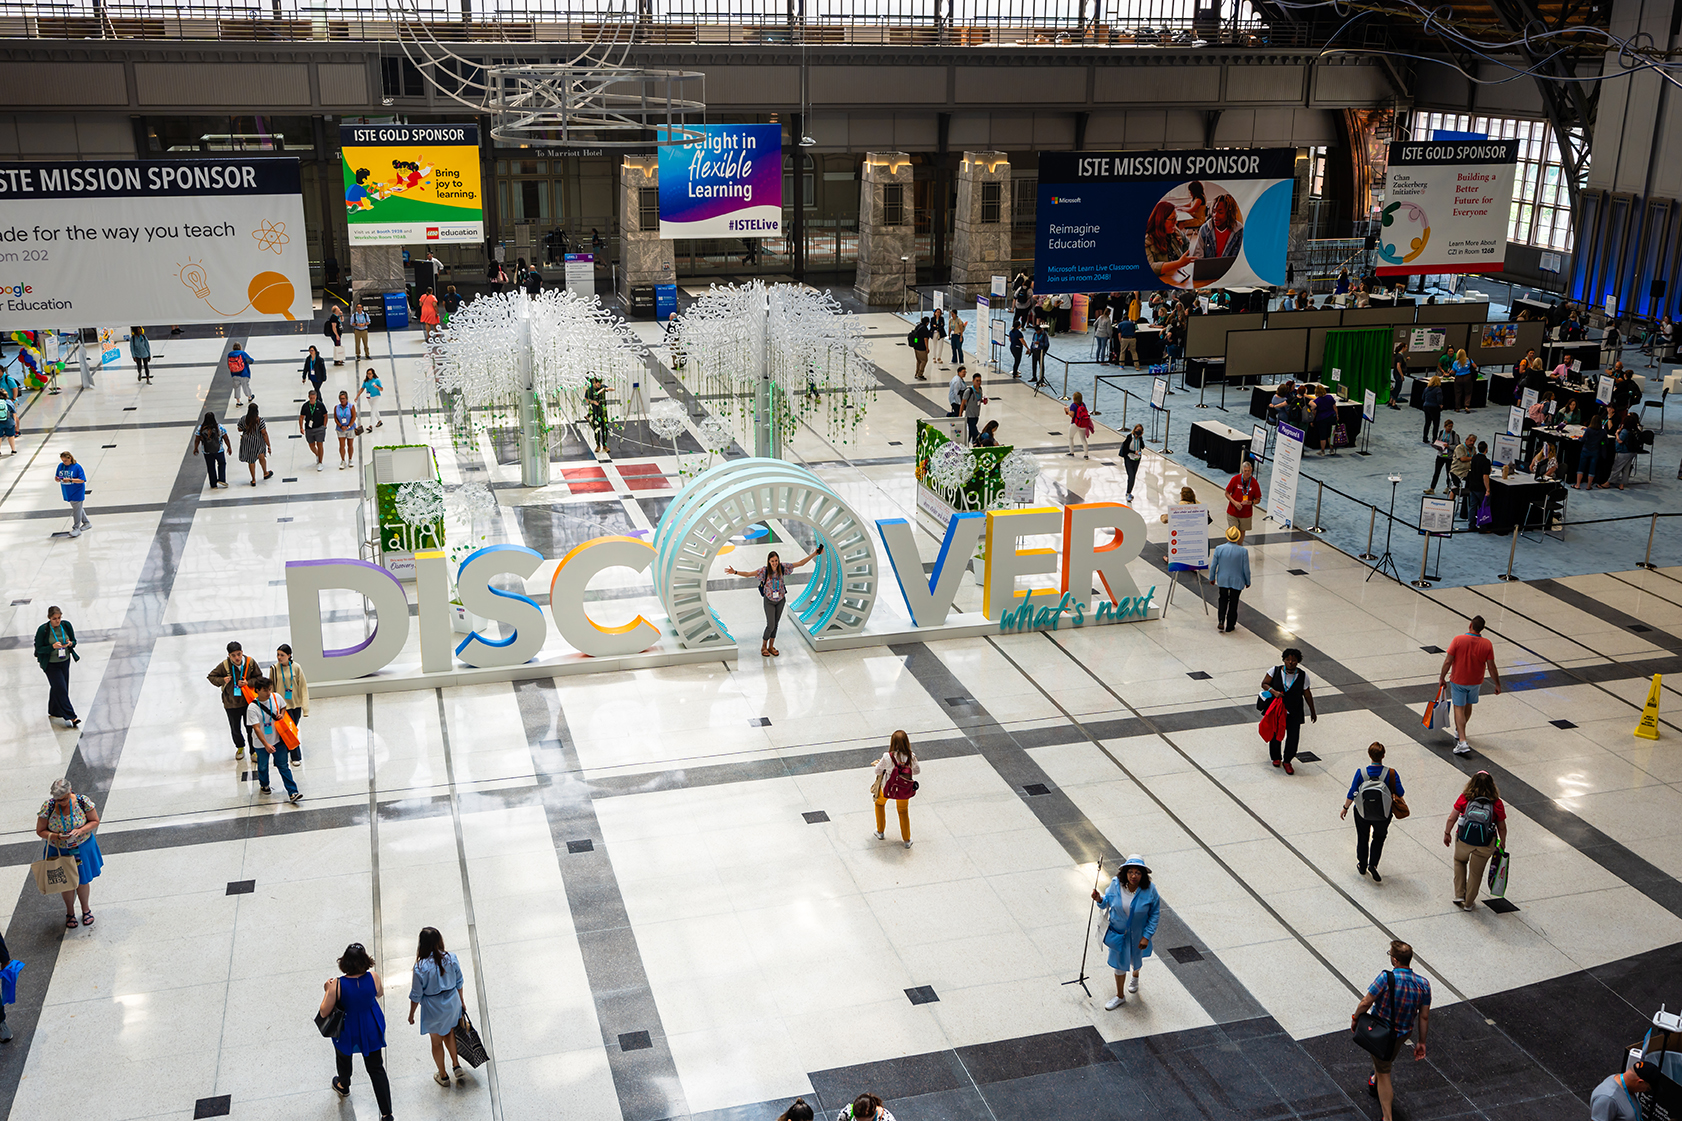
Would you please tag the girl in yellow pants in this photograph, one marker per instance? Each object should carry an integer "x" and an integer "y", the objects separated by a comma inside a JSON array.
[{"x": 896, "y": 768}]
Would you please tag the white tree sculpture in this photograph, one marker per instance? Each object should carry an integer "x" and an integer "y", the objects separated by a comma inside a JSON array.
[
  {"x": 571, "y": 340},
  {"x": 812, "y": 351}
]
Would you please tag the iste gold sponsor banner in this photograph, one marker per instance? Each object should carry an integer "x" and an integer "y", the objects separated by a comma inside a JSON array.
[
  {"x": 412, "y": 183},
  {"x": 1447, "y": 205},
  {"x": 114, "y": 243}
]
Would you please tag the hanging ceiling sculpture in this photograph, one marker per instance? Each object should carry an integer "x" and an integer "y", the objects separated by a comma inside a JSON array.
[{"x": 593, "y": 98}]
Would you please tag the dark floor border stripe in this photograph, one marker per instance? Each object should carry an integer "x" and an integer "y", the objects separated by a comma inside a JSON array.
[
  {"x": 1615, "y": 857},
  {"x": 36, "y": 933},
  {"x": 645, "y": 1079},
  {"x": 1566, "y": 594},
  {"x": 1222, "y": 996}
]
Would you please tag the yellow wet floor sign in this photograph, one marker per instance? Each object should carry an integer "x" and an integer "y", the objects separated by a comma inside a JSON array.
[{"x": 1648, "y": 729}]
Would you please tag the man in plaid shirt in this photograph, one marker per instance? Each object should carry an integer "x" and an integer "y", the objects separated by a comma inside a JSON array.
[{"x": 1398, "y": 996}]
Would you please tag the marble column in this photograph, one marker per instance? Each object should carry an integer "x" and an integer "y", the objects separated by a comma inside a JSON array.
[
  {"x": 645, "y": 259},
  {"x": 882, "y": 274},
  {"x": 981, "y": 242}
]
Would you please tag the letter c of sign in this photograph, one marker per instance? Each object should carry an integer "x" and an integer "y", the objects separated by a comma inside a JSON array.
[{"x": 566, "y": 597}]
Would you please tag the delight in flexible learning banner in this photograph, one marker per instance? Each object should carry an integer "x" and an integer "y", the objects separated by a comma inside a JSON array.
[
  {"x": 1447, "y": 206},
  {"x": 1123, "y": 221},
  {"x": 112, "y": 243},
  {"x": 407, "y": 184},
  {"x": 729, "y": 183}
]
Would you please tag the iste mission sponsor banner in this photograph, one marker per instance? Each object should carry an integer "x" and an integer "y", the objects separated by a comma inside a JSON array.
[
  {"x": 111, "y": 243},
  {"x": 1120, "y": 221},
  {"x": 406, "y": 184},
  {"x": 1446, "y": 207},
  {"x": 727, "y": 184}
]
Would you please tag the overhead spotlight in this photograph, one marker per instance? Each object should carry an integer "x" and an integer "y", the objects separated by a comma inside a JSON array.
[
  {"x": 807, "y": 142},
  {"x": 386, "y": 101}
]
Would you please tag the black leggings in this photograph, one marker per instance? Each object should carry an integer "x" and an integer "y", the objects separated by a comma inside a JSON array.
[
  {"x": 1132, "y": 466},
  {"x": 1433, "y": 421},
  {"x": 773, "y": 616},
  {"x": 1437, "y": 471},
  {"x": 1293, "y": 732},
  {"x": 374, "y": 1063},
  {"x": 1379, "y": 831},
  {"x": 216, "y": 466}
]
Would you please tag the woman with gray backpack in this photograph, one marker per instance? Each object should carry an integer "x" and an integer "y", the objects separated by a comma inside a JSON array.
[
  {"x": 1476, "y": 823},
  {"x": 1376, "y": 794}
]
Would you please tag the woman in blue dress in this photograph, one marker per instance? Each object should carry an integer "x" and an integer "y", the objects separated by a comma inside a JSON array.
[
  {"x": 436, "y": 992},
  {"x": 358, "y": 992},
  {"x": 1134, "y": 907},
  {"x": 66, "y": 822}
]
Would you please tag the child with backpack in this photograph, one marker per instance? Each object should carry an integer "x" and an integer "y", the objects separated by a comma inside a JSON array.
[
  {"x": 239, "y": 368},
  {"x": 1475, "y": 826},
  {"x": 1376, "y": 794}
]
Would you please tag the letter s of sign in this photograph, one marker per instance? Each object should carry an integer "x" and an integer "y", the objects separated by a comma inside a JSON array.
[{"x": 518, "y": 611}]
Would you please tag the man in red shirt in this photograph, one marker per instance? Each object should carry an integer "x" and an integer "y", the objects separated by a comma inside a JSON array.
[
  {"x": 1242, "y": 494},
  {"x": 1468, "y": 656}
]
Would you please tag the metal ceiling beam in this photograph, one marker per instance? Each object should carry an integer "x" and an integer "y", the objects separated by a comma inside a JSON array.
[{"x": 1567, "y": 104}]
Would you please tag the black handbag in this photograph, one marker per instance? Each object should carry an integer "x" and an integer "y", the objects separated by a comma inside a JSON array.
[
  {"x": 468, "y": 1045},
  {"x": 1373, "y": 1035},
  {"x": 331, "y": 1024}
]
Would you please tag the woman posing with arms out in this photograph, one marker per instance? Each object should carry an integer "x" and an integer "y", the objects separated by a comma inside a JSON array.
[{"x": 775, "y": 593}]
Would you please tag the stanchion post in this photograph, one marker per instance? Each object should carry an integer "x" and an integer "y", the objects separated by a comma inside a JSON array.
[
  {"x": 1371, "y": 522},
  {"x": 1124, "y": 396},
  {"x": 1318, "y": 495},
  {"x": 1508, "y": 576},
  {"x": 1095, "y": 411},
  {"x": 1424, "y": 558},
  {"x": 1202, "y": 384},
  {"x": 1167, "y": 423},
  {"x": 1647, "y": 561}
]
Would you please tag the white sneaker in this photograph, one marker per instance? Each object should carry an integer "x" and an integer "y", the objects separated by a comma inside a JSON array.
[
  {"x": 1133, "y": 983},
  {"x": 319, "y": 465},
  {"x": 908, "y": 844},
  {"x": 1114, "y": 1002},
  {"x": 76, "y": 532},
  {"x": 1462, "y": 748},
  {"x": 878, "y": 836}
]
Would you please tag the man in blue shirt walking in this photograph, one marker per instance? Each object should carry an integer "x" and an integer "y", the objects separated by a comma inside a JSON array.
[{"x": 1399, "y": 997}]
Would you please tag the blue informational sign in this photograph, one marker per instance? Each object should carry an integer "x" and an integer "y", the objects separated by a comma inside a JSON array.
[
  {"x": 1124, "y": 221},
  {"x": 396, "y": 311},
  {"x": 665, "y": 301},
  {"x": 729, "y": 183}
]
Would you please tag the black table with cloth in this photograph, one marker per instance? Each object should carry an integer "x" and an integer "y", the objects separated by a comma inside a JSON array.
[
  {"x": 1502, "y": 387},
  {"x": 1569, "y": 448},
  {"x": 1587, "y": 352},
  {"x": 1520, "y": 500},
  {"x": 1480, "y": 393},
  {"x": 1199, "y": 370},
  {"x": 1148, "y": 341},
  {"x": 1221, "y": 446}
]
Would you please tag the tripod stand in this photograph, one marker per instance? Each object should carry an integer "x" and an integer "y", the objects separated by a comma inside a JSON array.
[
  {"x": 1087, "y": 945},
  {"x": 1386, "y": 562}
]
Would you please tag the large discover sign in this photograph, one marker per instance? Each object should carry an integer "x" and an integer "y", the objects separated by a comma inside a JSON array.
[
  {"x": 1446, "y": 208},
  {"x": 1123, "y": 221},
  {"x": 117, "y": 242}
]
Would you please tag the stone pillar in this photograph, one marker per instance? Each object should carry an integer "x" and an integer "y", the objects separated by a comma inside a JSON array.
[
  {"x": 981, "y": 240},
  {"x": 644, "y": 259},
  {"x": 882, "y": 275}
]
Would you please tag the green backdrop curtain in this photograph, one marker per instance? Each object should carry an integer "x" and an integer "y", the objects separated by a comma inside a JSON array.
[{"x": 1363, "y": 357}]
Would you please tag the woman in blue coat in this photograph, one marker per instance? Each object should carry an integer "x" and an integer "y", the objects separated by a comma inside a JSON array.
[{"x": 1134, "y": 907}]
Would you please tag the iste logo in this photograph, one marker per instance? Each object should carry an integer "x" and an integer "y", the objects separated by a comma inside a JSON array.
[
  {"x": 1063, "y": 199},
  {"x": 15, "y": 289}
]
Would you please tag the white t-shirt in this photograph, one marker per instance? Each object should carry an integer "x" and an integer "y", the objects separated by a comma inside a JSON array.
[{"x": 255, "y": 717}]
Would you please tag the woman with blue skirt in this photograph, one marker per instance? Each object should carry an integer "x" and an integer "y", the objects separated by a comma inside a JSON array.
[
  {"x": 1134, "y": 907},
  {"x": 66, "y": 822},
  {"x": 435, "y": 992}
]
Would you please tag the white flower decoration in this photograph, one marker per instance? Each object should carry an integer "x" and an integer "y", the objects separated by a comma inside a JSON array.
[{"x": 420, "y": 504}]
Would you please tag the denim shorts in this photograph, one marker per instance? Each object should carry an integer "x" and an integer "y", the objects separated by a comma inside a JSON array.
[{"x": 1463, "y": 696}]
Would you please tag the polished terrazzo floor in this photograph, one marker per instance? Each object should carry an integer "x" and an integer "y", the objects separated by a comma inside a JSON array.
[{"x": 663, "y": 883}]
